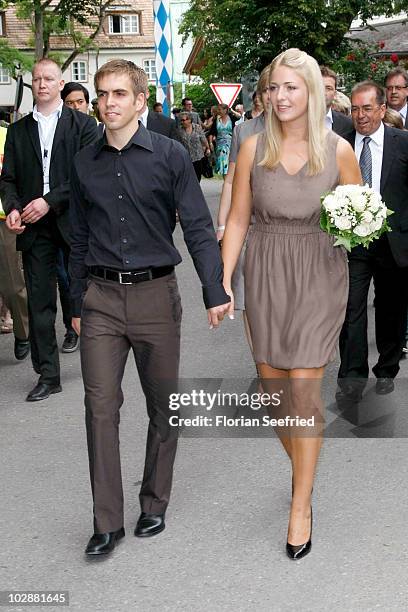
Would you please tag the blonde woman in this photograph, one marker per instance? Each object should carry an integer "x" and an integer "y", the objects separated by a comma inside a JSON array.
[{"x": 296, "y": 281}]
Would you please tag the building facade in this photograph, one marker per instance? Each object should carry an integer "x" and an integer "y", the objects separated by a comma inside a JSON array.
[{"x": 127, "y": 33}]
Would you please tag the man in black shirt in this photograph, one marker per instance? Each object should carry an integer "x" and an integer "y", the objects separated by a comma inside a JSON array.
[{"x": 125, "y": 192}]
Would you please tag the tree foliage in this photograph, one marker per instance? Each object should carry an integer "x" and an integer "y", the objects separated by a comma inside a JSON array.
[
  {"x": 242, "y": 36},
  {"x": 58, "y": 17}
]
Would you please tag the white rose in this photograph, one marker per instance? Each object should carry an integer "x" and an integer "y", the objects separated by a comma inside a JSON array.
[
  {"x": 330, "y": 202},
  {"x": 362, "y": 230},
  {"x": 376, "y": 225},
  {"x": 367, "y": 217},
  {"x": 375, "y": 203},
  {"x": 342, "y": 223},
  {"x": 382, "y": 212},
  {"x": 359, "y": 202}
]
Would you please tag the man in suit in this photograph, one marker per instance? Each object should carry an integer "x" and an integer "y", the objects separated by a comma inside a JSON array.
[
  {"x": 383, "y": 157},
  {"x": 159, "y": 123},
  {"x": 396, "y": 86},
  {"x": 339, "y": 123},
  {"x": 187, "y": 105},
  {"x": 34, "y": 186}
]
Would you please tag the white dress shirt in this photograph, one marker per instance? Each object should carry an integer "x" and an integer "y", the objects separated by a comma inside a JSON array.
[
  {"x": 143, "y": 117},
  {"x": 47, "y": 125},
  {"x": 329, "y": 119},
  {"x": 376, "y": 147},
  {"x": 403, "y": 113}
]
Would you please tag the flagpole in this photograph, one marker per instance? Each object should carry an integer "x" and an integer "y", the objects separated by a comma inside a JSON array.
[{"x": 164, "y": 54}]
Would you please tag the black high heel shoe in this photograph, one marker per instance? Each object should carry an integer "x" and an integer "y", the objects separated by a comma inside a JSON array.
[{"x": 297, "y": 552}]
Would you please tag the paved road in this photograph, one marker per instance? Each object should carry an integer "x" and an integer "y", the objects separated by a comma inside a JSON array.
[{"x": 223, "y": 548}]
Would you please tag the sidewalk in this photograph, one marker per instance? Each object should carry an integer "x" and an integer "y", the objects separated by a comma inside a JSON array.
[{"x": 224, "y": 545}]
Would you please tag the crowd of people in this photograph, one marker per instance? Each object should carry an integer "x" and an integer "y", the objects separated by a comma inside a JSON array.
[{"x": 92, "y": 207}]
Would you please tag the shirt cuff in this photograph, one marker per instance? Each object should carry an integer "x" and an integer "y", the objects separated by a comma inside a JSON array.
[{"x": 215, "y": 296}]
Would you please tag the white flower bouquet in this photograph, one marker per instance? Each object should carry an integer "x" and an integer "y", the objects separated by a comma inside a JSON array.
[{"x": 354, "y": 214}]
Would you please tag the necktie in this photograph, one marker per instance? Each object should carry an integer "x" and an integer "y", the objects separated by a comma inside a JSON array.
[{"x": 365, "y": 162}]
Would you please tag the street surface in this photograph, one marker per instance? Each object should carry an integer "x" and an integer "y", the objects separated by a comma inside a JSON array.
[{"x": 223, "y": 549}]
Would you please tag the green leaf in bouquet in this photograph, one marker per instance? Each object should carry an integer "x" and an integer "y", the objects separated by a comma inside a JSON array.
[
  {"x": 324, "y": 220},
  {"x": 343, "y": 241},
  {"x": 389, "y": 212}
]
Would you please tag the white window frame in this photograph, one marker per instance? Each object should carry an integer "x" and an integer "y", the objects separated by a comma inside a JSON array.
[
  {"x": 80, "y": 80},
  {"x": 147, "y": 67},
  {"x": 4, "y": 74},
  {"x": 133, "y": 17}
]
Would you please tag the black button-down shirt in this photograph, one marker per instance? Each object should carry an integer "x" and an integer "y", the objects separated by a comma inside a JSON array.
[{"x": 123, "y": 213}]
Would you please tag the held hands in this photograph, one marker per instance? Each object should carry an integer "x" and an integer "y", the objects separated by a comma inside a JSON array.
[
  {"x": 35, "y": 210},
  {"x": 217, "y": 313},
  {"x": 13, "y": 222}
]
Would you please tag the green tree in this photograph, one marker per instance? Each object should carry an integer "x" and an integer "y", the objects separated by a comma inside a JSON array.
[
  {"x": 362, "y": 62},
  {"x": 61, "y": 17},
  {"x": 245, "y": 35}
]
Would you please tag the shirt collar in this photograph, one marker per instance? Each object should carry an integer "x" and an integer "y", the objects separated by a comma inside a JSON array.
[
  {"x": 377, "y": 136},
  {"x": 37, "y": 113},
  {"x": 329, "y": 114},
  {"x": 141, "y": 138},
  {"x": 143, "y": 116},
  {"x": 403, "y": 111}
]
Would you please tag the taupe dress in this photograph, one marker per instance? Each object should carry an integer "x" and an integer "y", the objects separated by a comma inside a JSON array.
[{"x": 296, "y": 281}]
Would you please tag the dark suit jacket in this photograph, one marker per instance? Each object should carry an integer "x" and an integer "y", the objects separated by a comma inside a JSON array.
[
  {"x": 394, "y": 188},
  {"x": 159, "y": 123},
  {"x": 341, "y": 123},
  {"x": 22, "y": 175}
]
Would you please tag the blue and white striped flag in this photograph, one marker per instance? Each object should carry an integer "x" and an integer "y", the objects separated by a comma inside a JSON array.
[{"x": 164, "y": 53}]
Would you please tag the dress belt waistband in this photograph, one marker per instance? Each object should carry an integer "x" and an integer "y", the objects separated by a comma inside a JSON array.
[
  {"x": 285, "y": 229},
  {"x": 132, "y": 277}
]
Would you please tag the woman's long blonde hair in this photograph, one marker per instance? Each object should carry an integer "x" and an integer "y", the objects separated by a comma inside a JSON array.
[{"x": 308, "y": 69}]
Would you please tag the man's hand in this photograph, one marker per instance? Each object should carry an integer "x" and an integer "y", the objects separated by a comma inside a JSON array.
[
  {"x": 13, "y": 222},
  {"x": 35, "y": 210},
  {"x": 217, "y": 313},
  {"x": 76, "y": 325}
]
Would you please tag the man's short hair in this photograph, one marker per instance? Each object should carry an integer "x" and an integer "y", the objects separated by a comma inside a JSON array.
[
  {"x": 364, "y": 85},
  {"x": 399, "y": 71},
  {"x": 328, "y": 72},
  {"x": 137, "y": 75},
  {"x": 47, "y": 60},
  {"x": 72, "y": 86},
  {"x": 156, "y": 104},
  {"x": 184, "y": 100}
]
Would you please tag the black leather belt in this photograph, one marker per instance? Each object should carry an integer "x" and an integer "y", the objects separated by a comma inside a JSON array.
[{"x": 129, "y": 278}]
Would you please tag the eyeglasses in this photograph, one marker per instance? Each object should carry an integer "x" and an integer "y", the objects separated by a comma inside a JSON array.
[
  {"x": 366, "y": 110},
  {"x": 395, "y": 87}
]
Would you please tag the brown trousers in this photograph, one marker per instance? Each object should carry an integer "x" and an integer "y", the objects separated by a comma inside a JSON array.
[
  {"x": 145, "y": 317},
  {"x": 12, "y": 285}
]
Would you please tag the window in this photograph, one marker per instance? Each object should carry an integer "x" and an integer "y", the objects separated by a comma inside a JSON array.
[
  {"x": 2, "y": 24},
  {"x": 124, "y": 24},
  {"x": 149, "y": 66},
  {"x": 79, "y": 71},
  {"x": 4, "y": 76}
]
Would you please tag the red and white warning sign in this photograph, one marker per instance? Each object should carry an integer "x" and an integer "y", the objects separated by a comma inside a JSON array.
[{"x": 226, "y": 93}]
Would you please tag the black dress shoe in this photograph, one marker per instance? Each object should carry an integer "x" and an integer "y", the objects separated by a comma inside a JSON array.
[
  {"x": 384, "y": 386},
  {"x": 41, "y": 391},
  {"x": 297, "y": 552},
  {"x": 349, "y": 393},
  {"x": 149, "y": 525},
  {"x": 21, "y": 348},
  {"x": 71, "y": 342},
  {"x": 104, "y": 543}
]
